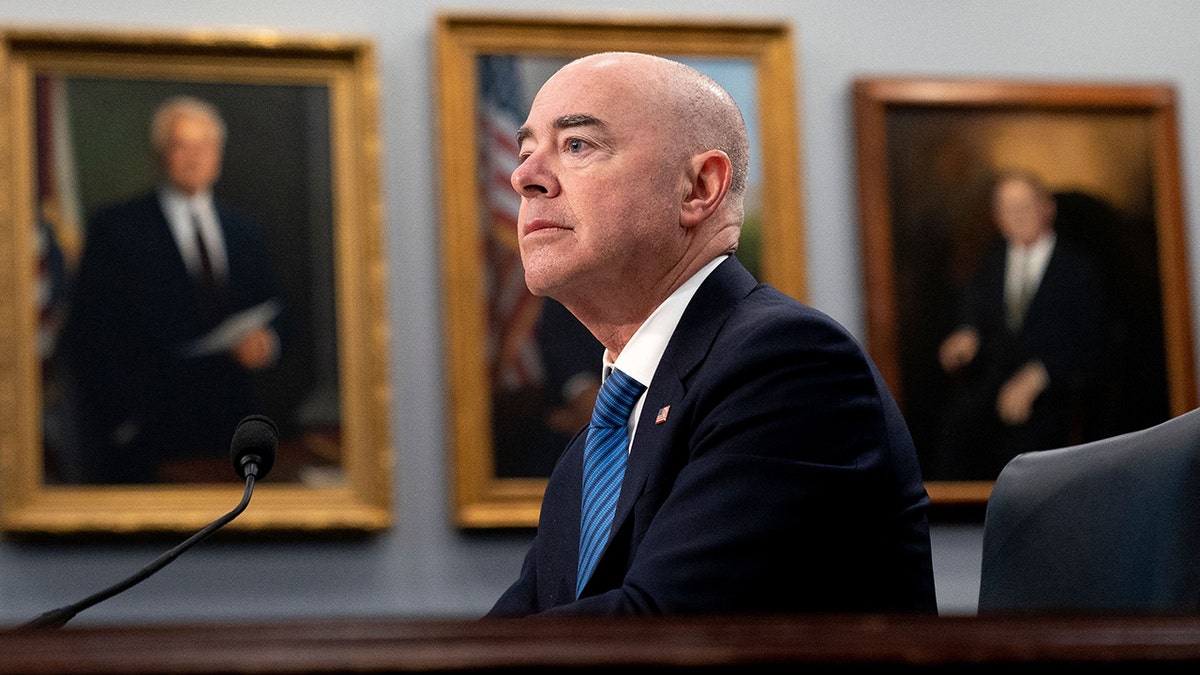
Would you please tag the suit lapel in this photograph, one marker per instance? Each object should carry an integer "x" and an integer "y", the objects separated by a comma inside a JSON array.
[
  {"x": 1047, "y": 285},
  {"x": 561, "y": 523},
  {"x": 689, "y": 344},
  {"x": 158, "y": 238},
  {"x": 166, "y": 269}
]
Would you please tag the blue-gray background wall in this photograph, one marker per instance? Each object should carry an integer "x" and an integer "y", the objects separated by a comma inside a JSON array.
[{"x": 423, "y": 567}]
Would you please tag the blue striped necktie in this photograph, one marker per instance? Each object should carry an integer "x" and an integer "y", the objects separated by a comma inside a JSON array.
[{"x": 604, "y": 458}]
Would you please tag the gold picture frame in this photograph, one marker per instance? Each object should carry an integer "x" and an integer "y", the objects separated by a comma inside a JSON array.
[
  {"x": 484, "y": 497},
  {"x": 928, "y": 149},
  {"x": 331, "y": 261}
]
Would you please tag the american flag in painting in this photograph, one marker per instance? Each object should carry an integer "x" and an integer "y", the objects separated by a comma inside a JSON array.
[
  {"x": 58, "y": 240},
  {"x": 512, "y": 310},
  {"x": 58, "y": 235}
]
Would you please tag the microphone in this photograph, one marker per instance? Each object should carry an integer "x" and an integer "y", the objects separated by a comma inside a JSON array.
[
  {"x": 252, "y": 450},
  {"x": 253, "y": 446}
]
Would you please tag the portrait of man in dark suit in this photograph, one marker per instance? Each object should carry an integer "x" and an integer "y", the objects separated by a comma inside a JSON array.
[
  {"x": 1026, "y": 356},
  {"x": 1096, "y": 313},
  {"x": 173, "y": 309}
]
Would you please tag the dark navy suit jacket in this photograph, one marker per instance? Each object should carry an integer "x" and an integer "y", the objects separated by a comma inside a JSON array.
[
  {"x": 783, "y": 478},
  {"x": 1064, "y": 328},
  {"x": 134, "y": 310}
]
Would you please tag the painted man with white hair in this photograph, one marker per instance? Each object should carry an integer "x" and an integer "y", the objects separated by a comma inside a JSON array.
[{"x": 158, "y": 275}]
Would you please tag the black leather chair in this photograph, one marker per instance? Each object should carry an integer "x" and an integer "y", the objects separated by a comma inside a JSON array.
[{"x": 1110, "y": 526}]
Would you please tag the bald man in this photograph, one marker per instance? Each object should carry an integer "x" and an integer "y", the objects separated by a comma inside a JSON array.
[{"x": 763, "y": 465}]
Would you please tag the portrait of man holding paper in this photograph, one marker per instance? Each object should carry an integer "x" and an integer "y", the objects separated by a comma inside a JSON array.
[
  {"x": 173, "y": 310},
  {"x": 175, "y": 320}
]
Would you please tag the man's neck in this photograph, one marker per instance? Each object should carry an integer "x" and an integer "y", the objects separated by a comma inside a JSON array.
[{"x": 624, "y": 333}]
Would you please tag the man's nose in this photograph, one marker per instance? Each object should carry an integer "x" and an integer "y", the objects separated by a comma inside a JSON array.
[{"x": 533, "y": 177}]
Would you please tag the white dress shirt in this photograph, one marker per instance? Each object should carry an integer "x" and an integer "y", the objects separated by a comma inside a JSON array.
[
  {"x": 1023, "y": 271},
  {"x": 180, "y": 210}
]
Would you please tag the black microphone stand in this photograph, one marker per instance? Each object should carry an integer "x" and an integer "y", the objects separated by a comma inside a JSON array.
[{"x": 57, "y": 618}]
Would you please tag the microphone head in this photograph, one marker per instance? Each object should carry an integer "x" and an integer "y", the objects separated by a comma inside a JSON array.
[{"x": 254, "y": 442}]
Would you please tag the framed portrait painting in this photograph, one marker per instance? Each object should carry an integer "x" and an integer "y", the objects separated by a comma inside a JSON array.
[
  {"x": 1101, "y": 344},
  {"x": 109, "y": 395},
  {"x": 522, "y": 373}
]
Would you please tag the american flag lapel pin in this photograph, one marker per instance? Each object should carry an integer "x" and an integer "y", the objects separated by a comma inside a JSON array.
[{"x": 662, "y": 414}]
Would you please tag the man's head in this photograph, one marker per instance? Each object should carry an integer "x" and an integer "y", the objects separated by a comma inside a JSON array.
[
  {"x": 189, "y": 137},
  {"x": 1022, "y": 206},
  {"x": 632, "y": 173}
]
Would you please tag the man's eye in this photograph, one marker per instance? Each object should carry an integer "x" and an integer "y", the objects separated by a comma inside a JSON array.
[{"x": 575, "y": 145}]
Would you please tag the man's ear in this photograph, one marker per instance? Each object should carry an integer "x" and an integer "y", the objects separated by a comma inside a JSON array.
[{"x": 710, "y": 175}]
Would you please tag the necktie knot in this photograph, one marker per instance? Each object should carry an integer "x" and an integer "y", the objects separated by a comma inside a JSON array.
[{"x": 615, "y": 402}]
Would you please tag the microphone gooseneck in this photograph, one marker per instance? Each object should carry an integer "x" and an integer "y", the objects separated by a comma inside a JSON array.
[{"x": 253, "y": 451}]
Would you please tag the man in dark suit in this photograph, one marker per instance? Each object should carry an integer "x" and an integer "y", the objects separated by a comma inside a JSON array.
[
  {"x": 1030, "y": 342},
  {"x": 156, "y": 380},
  {"x": 769, "y": 470}
]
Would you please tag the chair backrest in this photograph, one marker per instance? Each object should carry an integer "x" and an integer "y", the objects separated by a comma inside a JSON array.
[{"x": 1108, "y": 526}]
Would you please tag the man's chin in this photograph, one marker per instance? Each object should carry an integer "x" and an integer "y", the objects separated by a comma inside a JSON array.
[
  {"x": 536, "y": 285},
  {"x": 544, "y": 273}
]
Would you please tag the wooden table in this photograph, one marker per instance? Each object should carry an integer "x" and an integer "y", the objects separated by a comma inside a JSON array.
[{"x": 709, "y": 644}]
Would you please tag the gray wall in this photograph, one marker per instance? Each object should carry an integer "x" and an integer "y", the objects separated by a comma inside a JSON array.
[{"x": 423, "y": 567}]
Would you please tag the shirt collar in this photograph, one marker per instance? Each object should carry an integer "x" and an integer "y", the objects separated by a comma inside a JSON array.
[
  {"x": 639, "y": 359},
  {"x": 1039, "y": 249},
  {"x": 175, "y": 201}
]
